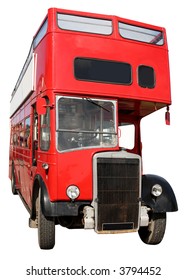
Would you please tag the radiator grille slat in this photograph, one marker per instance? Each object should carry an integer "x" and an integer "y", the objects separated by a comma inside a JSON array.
[{"x": 117, "y": 193}]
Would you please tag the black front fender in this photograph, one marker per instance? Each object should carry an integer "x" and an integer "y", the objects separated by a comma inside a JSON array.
[
  {"x": 57, "y": 208},
  {"x": 166, "y": 202}
]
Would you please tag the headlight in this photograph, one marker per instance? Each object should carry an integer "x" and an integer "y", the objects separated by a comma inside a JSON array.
[
  {"x": 73, "y": 192},
  {"x": 156, "y": 190}
]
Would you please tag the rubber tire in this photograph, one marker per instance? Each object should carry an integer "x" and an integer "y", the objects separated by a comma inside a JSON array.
[
  {"x": 154, "y": 233},
  {"x": 13, "y": 185},
  {"x": 46, "y": 228}
]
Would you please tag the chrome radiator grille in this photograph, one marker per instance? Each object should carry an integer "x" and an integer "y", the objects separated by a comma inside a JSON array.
[{"x": 117, "y": 194}]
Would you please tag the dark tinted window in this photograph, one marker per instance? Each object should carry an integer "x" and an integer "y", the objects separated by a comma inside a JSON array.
[
  {"x": 146, "y": 76},
  {"x": 102, "y": 71}
]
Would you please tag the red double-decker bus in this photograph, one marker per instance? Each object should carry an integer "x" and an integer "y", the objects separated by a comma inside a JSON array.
[{"x": 75, "y": 147}]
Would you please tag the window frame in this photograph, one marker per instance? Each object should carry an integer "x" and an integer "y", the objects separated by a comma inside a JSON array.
[
  {"x": 100, "y": 80},
  {"x": 143, "y": 30},
  {"x": 146, "y": 84},
  {"x": 27, "y": 132},
  {"x": 41, "y": 33},
  {"x": 85, "y": 22},
  {"x": 131, "y": 131},
  {"x": 114, "y": 102},
  {"x": 44, "y": 144}
]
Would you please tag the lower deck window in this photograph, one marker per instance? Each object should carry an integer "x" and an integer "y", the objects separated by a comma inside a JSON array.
[{"x": 45, "y": 130}]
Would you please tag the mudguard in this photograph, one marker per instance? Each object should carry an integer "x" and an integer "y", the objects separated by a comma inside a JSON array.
[
  {"x": 57, "y": 208},
  {"x": 166, "y": 202}
]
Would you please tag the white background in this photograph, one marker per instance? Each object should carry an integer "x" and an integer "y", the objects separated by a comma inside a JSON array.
[{"x": 164, "y": 152}]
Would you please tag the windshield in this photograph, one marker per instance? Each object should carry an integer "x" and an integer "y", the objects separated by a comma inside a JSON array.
[{"x": 85, "y": 122}]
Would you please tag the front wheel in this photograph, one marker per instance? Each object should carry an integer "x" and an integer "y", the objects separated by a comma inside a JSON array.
[
  {"x": 154, "y": 232},
  {"x": 46, "y": 227}
]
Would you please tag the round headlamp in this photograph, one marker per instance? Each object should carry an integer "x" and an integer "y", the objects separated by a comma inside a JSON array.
[
  {"x": 73, "y": 192},
  {"x": 156, "y": 190}
]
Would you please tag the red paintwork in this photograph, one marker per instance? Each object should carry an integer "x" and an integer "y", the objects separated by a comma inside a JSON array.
[{"x": 55, "y": 76}]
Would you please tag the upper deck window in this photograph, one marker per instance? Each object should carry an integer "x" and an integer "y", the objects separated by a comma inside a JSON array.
[
  {"x": 84, "y": 24},
  {"x": 150, "y": 36},
  {"x": 41, "y": 33},
  {"x": 102, "y": 71}
]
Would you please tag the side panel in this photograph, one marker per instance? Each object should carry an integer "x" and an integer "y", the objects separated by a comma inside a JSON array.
[
  {"x": 69, "y": 46},
  {"x": 59, "y": 208},
  {"x": 75, "y": 168}
]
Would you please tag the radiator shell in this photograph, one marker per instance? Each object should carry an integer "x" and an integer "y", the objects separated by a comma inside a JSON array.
[{"x": 117, "y": 189}]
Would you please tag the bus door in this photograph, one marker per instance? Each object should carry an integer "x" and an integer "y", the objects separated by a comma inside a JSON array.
[
  {"x": 34, "y": 139},
  {"x": 23, "y": 158}
]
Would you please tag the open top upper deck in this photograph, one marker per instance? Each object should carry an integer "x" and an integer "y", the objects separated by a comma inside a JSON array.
[{"x": 101, "y": 55}]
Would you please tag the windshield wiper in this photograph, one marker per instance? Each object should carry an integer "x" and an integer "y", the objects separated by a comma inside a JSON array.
[{"x": 91, "y": 101}]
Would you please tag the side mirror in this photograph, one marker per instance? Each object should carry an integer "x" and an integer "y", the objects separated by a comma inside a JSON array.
[{"x": 41, "y": 106}]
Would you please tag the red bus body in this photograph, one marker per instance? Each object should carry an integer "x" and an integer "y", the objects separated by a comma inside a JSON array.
[{"x": 71, "y": 68}]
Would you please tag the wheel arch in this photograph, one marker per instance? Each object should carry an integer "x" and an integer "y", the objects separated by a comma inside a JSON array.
[
  {"x": 166, "y": 202},
  {"x": 11, "y": 169},
  {"x": 35, "y": 194},
  {"x": 45, "y": 201}
]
